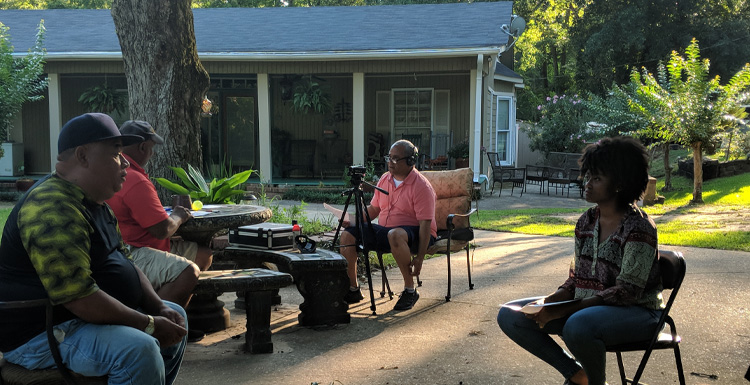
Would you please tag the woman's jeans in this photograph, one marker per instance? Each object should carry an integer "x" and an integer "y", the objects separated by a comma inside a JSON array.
[
  {"x": 586, "y": 333},
  {"x": 127, "y": 355}
]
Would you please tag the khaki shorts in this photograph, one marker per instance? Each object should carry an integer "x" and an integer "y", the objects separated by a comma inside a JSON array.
[{"x": 161, "y": 267}]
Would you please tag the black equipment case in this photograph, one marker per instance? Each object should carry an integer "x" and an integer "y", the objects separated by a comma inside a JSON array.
[{"x": 263, "y": 235}]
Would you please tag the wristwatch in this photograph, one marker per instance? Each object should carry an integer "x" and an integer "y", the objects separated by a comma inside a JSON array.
[{"x": 150, "y": 328}]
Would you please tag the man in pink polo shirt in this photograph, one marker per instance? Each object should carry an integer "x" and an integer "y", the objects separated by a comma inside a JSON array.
[
  {"x": 171, "y": 267},
  {"x": 406, "y": 223}
]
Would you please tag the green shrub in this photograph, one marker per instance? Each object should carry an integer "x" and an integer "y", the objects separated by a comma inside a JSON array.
[
  {"x": 562, "y": 126},
  {"x": 307, "y": 194}
]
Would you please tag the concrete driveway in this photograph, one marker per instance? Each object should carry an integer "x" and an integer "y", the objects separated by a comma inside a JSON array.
[{"x": 459, "y": 342}]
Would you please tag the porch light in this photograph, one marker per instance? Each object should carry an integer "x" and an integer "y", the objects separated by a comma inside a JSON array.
[{"x": 206, "y": 107}]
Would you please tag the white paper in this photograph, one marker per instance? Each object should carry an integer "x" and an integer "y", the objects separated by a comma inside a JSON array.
[{"x": 535, "y": 307}]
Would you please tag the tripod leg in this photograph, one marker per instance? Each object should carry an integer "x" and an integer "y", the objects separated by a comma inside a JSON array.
[
  {"x": 361, "y": 213},
  {"x": 369, "y": 280},
  {"x": 384, "y": 278}
]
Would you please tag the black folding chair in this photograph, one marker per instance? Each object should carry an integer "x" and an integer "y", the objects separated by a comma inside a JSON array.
[{"x": 672, "y": 266}]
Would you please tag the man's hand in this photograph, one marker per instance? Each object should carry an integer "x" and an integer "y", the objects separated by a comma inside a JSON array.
[
  {"x": 181, "y": 213},
  {"x": 170, "y": 314},
  {"x": 416, "y": 265},
  {"x": 167, "y": 332}
]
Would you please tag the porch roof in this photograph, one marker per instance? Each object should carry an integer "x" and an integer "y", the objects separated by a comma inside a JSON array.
[{"x": 297, "y": 33}]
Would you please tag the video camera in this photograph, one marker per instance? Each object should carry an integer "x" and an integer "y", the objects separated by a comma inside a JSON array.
[{"x": 357, "y": 170}]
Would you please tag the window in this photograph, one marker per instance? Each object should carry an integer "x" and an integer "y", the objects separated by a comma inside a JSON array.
[
  {"x": 505, "y": 136},
  {"x": 412, "y": 116}
]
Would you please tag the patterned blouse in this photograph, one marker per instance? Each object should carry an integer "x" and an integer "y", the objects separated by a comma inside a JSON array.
[{"x": 624, "y": 269}]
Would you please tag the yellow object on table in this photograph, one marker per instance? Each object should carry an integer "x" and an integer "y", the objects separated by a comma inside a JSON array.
[{"x": 197, "y": 205}]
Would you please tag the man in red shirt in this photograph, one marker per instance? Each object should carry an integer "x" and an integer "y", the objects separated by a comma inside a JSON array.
[
  {"x": 406, "y": 222},
  {"x": 171, "y": 267}
]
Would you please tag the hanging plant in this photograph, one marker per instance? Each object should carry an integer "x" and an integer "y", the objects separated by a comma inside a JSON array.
[
  {"x": 104, "y": 99},
  {"x": 310, "y": 96}
]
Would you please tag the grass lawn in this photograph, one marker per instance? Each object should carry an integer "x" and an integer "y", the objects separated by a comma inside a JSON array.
[{"x": 715, "y": 224}]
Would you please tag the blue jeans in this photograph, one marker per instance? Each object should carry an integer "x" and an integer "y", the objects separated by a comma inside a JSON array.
[
  {"x": 127, "y": 355},
  {"x": 586, "y": 333}
]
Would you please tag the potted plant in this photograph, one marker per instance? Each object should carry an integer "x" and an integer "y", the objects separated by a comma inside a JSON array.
[
  {"x": 460, "y": 152},
  {"x": 103, "y": 98},
  {"x": 311, "y": 96}
]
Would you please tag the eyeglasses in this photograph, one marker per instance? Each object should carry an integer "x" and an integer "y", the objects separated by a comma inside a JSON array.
[{"x": 389, "y": 159}]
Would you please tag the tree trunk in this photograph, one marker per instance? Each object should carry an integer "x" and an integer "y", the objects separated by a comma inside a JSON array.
[
  {"x": 667, "y": 170},
  {"x": 697, "y": 173},
  {"x": 166, "y": 81}
]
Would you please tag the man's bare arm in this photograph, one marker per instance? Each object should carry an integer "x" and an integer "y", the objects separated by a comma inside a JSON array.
[{"x": 169, "y": 226}]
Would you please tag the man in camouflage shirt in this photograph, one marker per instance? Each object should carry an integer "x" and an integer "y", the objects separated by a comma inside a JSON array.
[{"x": 61, "y": 242}]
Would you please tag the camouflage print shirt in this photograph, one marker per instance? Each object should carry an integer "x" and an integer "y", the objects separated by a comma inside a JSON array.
[{"x": 58, "y": 244}]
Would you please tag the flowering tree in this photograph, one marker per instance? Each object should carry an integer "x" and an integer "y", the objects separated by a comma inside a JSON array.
[
  {"x": 684, "y": 106},
  {"x": 562, "y": 126},
  {"x": 20, "y": 78}
]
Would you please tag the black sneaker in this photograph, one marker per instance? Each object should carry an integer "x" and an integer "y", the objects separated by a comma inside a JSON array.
[
  {"x": 353, "y": 296},
  {"x": 407, "y": 300}
]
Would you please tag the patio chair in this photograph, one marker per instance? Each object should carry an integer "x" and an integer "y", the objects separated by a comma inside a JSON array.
[
  {"x": 557, "y": 178},
  {"x": 415, "y": 139},
  {"x": 575, "y": 180},
  {"x": 12, "y": 374},
  {"x": 452, "y": 210},
  {"x": 536, "y": 175},
  {"x": 513, "y": 175},
  {"x": 672, "y": 266}
]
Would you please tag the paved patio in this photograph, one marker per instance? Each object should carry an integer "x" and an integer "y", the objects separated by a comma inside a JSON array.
[{"x": 459, "y": 342}]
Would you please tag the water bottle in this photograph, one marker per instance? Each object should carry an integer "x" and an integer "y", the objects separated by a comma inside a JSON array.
[{"x": 296, "y": 230}]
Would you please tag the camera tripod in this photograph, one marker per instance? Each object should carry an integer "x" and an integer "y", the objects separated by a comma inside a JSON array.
[{"x": 361, "y": 219}]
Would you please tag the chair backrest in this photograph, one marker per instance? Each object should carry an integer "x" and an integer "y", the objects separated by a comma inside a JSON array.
[
  {"x": 494, "y": 160},
  {"x": 453, "y": 189},
  {"x": 415, "y": 139},
  {"x": 672, "y": 267}
]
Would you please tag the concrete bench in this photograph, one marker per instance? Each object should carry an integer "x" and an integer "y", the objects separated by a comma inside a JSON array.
[
  {"x": 320, "y": 278},
  {"x": 259, "y": 286}
]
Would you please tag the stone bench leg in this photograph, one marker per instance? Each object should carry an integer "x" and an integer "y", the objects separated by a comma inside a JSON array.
[
  {"x": 258, "y": 311},
  {"x": 323, "y": 292}
]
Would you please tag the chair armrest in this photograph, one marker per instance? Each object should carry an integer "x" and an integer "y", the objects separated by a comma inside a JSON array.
[
  {"x": 449, "y": 219},
  {"x": 24, "y": 304}
]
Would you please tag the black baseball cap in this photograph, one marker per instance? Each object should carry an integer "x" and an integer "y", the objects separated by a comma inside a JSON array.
[
  {"x": 90, "y": 128},
  {"x": 141, "y": 128}
]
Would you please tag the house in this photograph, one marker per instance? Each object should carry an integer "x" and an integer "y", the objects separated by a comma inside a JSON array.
[{"x": 437, "y": 74}]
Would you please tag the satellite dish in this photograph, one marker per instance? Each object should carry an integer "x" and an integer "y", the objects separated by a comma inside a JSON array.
[{"x": 517, "y": 26}]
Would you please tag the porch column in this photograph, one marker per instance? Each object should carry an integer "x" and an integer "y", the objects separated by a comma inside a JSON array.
[
  {"x": 55, "y": 116},
  {"x": 358, "y": 118},
  {"x": 264, "y": 128},
  {"x": 475, "y": 122}
]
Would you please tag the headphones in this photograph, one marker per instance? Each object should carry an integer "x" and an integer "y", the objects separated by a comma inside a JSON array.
[{"x": 412, "y": 160}]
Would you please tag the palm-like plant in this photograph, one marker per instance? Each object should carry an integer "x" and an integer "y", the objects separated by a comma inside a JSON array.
[
  {"x": 191, "y": 182},
  {"x": 683, "y": 105}
]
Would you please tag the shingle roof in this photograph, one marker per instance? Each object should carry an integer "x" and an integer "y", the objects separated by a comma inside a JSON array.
[
  {"x": 503, "y": 72},
  {"x": 266, "y": 31}
]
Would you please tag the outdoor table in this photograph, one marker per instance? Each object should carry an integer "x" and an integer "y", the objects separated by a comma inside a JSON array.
[
  {"x": 214, "y": 218},
  {"x": 205, "y": 311}
]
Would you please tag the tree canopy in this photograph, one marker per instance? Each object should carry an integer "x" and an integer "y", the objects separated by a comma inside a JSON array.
[
  {"x": 684, "y": 104},
  {"x": 21, "y": 78}
]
